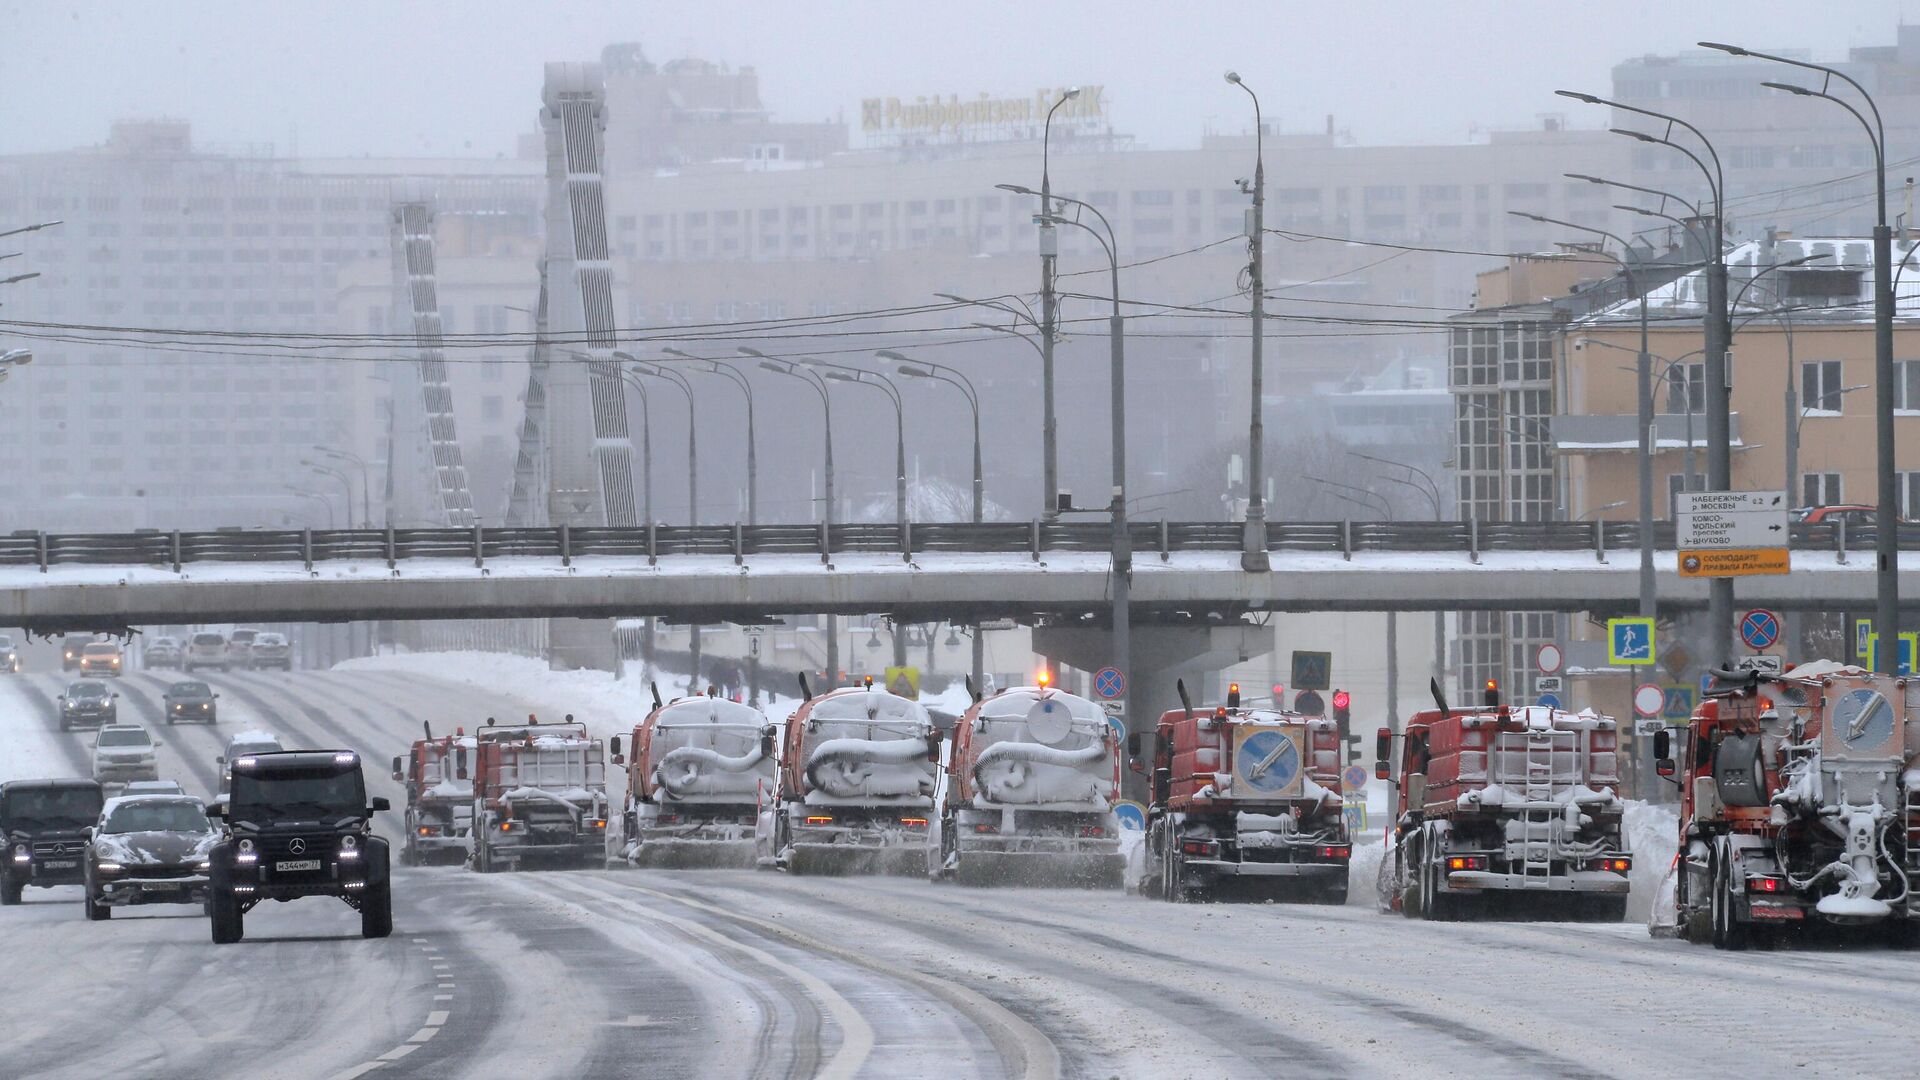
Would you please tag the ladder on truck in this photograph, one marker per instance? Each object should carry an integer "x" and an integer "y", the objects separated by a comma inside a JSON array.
[{"x": 1541, "y": 821}]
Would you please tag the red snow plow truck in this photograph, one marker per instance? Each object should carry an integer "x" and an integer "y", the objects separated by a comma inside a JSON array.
[
  {"x": 700, "y": 767},
  {"x": 1028, "y": 795},
  {"x": 1496, "y": 805},
  {"x": 439, "y": 798},
  {"x": 539, "y": 796},
  {"x": 856, "y": 785},
  {"x": 1799, "y": 806},
  {"x": 1246, "y": 805}
]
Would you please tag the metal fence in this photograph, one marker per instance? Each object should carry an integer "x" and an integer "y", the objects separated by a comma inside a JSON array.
[{"x": 1035, "y": 539}]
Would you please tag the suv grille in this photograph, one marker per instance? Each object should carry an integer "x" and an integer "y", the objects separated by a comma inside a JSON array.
[
  {"x": 58, "y": 849},
  {"x": 317, "y": 847}
]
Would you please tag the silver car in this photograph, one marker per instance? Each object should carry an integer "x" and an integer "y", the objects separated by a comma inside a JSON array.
[
  {"x": 206, "y": 649},
  {"x": 271, "y": 651},
  {"x": 123, "y": 753}
]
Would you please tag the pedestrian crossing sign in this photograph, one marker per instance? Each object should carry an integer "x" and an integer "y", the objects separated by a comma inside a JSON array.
[{"x": 1630, "y": 642}]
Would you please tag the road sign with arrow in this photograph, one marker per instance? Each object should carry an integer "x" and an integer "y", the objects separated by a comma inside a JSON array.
[{"x": 1732, "y": 533}]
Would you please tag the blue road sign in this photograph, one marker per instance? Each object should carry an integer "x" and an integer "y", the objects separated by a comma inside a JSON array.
[
  {"x": 1760, "y": 628},
  {"x": 1312, "y": 670},
  {"x": 1548, "y": 701},
  {"x": 1630, "y": 641},
  {"x": 1108, "y": 682},
  {"x": 1131, "y": 815},
  {"x": 1678, "y": 704},
  {"x": 1119, "y": 726}
]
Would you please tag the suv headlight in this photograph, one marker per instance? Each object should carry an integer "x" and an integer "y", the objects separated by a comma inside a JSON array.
[
  {"x": 20, "y": 853},
  {"x": 106, "y": 867}
]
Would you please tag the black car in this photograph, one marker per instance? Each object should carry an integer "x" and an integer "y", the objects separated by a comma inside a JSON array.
[
  {"x": 88, "y": 703},
  {"x": 71, "y": 648},
  {"x": 45, "y": 823},
  {"x": 148, "y": 849},
  {"x": 298, "y": 823},
  {"x": 189, "y": 702}
]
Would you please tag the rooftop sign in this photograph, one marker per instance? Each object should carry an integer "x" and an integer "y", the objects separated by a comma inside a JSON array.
[{"x": 953, "y": 115}]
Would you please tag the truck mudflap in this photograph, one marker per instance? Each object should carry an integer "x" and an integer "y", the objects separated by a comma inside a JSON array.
[
  {"x": 1591, "y": 882},
  {"x": 1044, "y": 861},
  {"x": 828, "y": 859},
  {"x": 692, "y": 846}
]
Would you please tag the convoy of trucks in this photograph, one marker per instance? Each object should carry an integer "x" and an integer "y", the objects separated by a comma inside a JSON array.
[
  {"x": 539, "y": 796},
  {"x": 698, "y": 771}
]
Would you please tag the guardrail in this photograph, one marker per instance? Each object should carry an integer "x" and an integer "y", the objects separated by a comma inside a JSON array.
[{"x": 1031, "y": 538}]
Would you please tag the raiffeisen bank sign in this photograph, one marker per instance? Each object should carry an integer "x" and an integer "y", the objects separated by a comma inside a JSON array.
[{"x": 984, "y": 114}]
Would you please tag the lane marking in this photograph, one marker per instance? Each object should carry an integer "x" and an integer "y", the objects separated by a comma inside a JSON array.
[
  {"x": 436, "y": 1018},
  {"x": 399, "y": 1052},
  {"x": 443, "y": 997},
  {"x": 359, "y": 1070},
  {"x": 424, "y": 1034},
  {"x": 856, "y": 1035}
]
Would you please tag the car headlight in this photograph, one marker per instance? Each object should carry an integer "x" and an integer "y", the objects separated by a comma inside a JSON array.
[
  {"x": 203, "y": 865},
  {"x": 20, "y": 853},
  {"x": 349, "y": 842},
  {"x": 107, "y": 867}
]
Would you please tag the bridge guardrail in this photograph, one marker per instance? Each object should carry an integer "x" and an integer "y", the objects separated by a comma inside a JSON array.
[{"x": 1031, "y": 538}]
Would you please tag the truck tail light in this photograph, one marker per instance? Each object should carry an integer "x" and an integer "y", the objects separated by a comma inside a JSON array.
[
  {"x": 1618, "y": 864},
  {"x": 599, "y": 823},
  {"x": 668, "y": 819},
  {"x": 1199, "y": 847},
  {"x": 984, "y": 828},
  {"x": 1335, "y": 851},
  {"x": 819, "y": 819},
  {"x": 914, "y": 822},
  {"x": 1093, "y": 830},
  {"x": 1466, "y": 862},
  {"x": 506, "y": 826},
  {"x": 1761, "y": 884},
  {"x": 426, "y": 830}
]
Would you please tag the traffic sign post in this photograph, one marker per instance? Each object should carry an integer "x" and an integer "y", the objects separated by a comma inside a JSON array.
[
  {"x": 1548, "y": 659},
  {"x": 1109, "y": 682},
  {"x": 1548, "y": 701},
  {"x": 1909, "y": 646},
  {"x": 1732, "y": 533},
  {"x": 1862, "y": 637},
  {"x": 1548, "y": 684},
  {"x": 1309, "y": 703},
  {"x": 1759, "y": 628},
  {"x": 1312, "y": 670},
  {"x": 1630, "y": 642},
  {"x": 1677, "y": 702},
  {"x": 1354, "y": 777},
  {"x": 1765, "y": 662}
]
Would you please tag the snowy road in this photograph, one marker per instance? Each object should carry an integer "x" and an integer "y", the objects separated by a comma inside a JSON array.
[{"x": 683, "y": 974}]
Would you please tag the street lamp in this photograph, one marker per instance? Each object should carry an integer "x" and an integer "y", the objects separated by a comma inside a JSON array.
[
  {"x": 1615, "y": 505},
  {"x": 642, "y": 367},
  {"x": 1122, "y": 543},
  {"x": 1886, "y": 539},
  {"x": 715, "y": 367},
  {"x": 14, "y": 358},
  {"x": 366, "y": 508},
  {"x": 1718, "y": 331},
  {"x": 846, "y": 374},
  {"x": 345, "y": 484},
  {"x": 321, "y": 499},
  {"x": 30, "y": 228},
  {"x": 1643, "y": 381},
  {"x": 954, "y": 377},
  {"x": 1253, "y": 548},
  {"x": 819, "y": 387},
  {"x": 1049, "y": 304},
  {"x": 1431, "y": 492}
]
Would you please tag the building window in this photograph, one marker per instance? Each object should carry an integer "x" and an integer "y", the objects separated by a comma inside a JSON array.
[
  {"x": 1153, "y": 198},
  {"x": 1909, "y": 485},
  {"x": 1820, "y": 489},
  {"x": 1687, "y": 388},
  {"x": 1820, "y": 387},
  {"x": 1906, "y": 385}
]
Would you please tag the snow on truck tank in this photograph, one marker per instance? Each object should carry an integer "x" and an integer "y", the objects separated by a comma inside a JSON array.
[
  {"x": 863, "y": 743},
  {"x": 701, "y": 748},
  {"x": 1032, "y": 745}
]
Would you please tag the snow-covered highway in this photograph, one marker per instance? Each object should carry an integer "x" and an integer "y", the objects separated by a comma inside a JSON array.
[{"x": 736, "y": 973}]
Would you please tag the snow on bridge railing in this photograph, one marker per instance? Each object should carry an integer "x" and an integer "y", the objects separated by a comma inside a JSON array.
[{"x": 1035, "y": 538}]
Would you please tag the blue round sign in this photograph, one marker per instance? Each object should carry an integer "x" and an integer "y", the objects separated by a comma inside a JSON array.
[
  {"x": 1267, "y": 761},
  {"x": 1548, "y": 701},
  {"x": 1759, "y": 628},
  {"x": 1131, "y": 815},
  {"x": 1108, "y": 682}
]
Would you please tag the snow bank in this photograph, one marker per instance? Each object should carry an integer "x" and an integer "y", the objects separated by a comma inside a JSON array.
[{"x": 1653, "y": 833}]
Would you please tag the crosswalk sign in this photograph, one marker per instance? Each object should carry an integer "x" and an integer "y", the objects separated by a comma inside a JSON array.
[
  {"x": 1630, "y": 642},
  {"x": 904, "y": 682},
  {"x": 1678, "y": 704},
  {"x": 1862, "y": 635},
  {"x": 1909, "y": 645}
]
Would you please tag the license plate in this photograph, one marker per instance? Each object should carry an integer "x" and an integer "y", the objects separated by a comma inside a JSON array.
[
  {"x": 60, "y": 864},
  {"x": 297, "y": 864}
]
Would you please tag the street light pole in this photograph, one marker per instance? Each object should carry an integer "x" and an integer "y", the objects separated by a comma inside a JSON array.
[
  {"x": 1643, "y": 388},
  {"x": 366, "y": 507},
  {"x": 346, "y": 485},
  {"x": 1049, "y": 313},
  {"x": 1717, "y": 332},
  {"x": 1253, "y": 548},
  {"x": 1886, "y": 535},
  {"x": 642, "y": 367},
  {"x": 716, "y": 367},
  {"x": 819, "y": 387},
  {"x": 846, "y": 374}
]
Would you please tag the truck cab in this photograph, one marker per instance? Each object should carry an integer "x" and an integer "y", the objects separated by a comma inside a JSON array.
[{"x": 437, "y": 773}]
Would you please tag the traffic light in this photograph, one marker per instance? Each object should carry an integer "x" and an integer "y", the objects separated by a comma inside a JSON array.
[
  {"x": 1343, "y": 719},
  {"x": 1279, "y": 696},
  {"x": 1492, "y": 693}
]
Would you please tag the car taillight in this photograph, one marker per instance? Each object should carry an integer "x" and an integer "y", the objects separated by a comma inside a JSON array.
[
  {"x": 1616, "y": 864},
  {"x": 426, "y": 831},
  {"x": 914, "y": 822},
  {"x": 819, "y": 819},
  {"x": 1335, "y": 851},
  {"x": 1761, "y": 884},
  {"x": 1466, "y": 862}
]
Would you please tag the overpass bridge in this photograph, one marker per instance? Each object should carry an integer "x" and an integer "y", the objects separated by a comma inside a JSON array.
[{"x": 1184, "y": 573}]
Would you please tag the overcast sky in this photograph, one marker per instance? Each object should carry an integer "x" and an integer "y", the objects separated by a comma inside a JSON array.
[{"x": 390, "y": 77}]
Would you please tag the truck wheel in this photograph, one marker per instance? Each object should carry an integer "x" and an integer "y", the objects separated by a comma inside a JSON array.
[
  {"x": 95, "y": 912},
  {"x": 376, "y": 911},
  {"x": 1437, "y": 906},
  {"x": 1729, "y": 933},
  {"x": 224, "y": 913},
  {"x": 1413, "y": 900}
]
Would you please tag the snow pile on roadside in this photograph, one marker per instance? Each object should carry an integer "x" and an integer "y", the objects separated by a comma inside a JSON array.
[
  {"x": 1362, "y": 868},
  {"x": 1652, "y": 835}
]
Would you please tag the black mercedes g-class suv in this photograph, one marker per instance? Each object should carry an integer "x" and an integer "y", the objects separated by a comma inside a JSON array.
[
  {"x": 45, "y": 824},
  {"x": 298, "y": 823}
]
